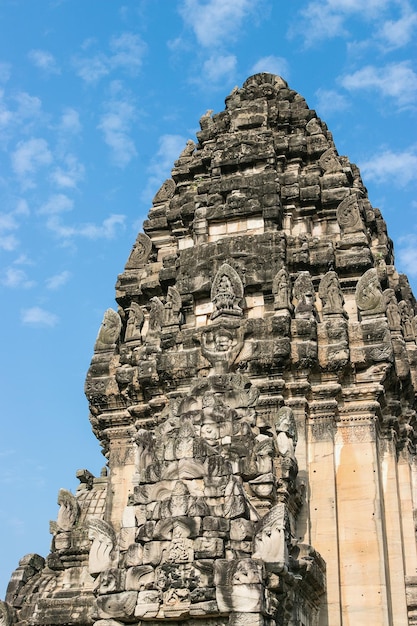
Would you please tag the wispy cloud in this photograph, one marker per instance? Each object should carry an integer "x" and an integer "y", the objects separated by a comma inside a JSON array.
[
  {"x": 170, "y": 148},
  {"x": 398, "y": 33},
  {"x": 126, "y": 53},
  {"x": 273, "y": 65},
  {"x": 70, "y": 121},
  {"x": 44, "y": 60},
  {"x": 14, "y": 277},
  {"x": 58, "y": 203},
  {"x": 395, "y": 80},
  {"x": 108, "y": 229},
  {"x": 36, "y": 316},
  {"x": 218, "y": 68},
  {"x": 9, "y": 223},
  {"x": 5, "y": 71},
  {"x": 58, "y": 280},
  {"x": 330, "y": 101},
  {"x": 69, "y": 175},
  {"x": 28, "y": 157},
  {"x": 216, "y": 21},
  {"x": 116, "y": 125},
  {"x": 326, "y": 19},
  {"x": 406, "y": 254},
  {"x": 393, "y": 168}
]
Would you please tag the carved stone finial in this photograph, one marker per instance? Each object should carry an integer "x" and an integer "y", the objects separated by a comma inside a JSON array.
[
  {"x": 69, "y": 510},
  {"x": 329, "y": 161},
  {"x": 368, "y": 295},
  {"x": 140, "y": 252},
  {"x": 103, "y": 540},
  {"x": 109, "y": 331},
  {"x": 165, "y": 192},
  {"x": 348, "y": 215}
]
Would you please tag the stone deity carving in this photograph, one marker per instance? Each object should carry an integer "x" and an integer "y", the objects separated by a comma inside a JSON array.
[
  {"x": 406, "y": 316},
  {"x": 281, "y": 288},
  {"x": 331, "y": 293},
  {"x": 220, "y": 346},
  {"x": 226, "y": 292},
  {"x": 172, "y": 307},
  {"x": 393, "y": 314},
  {"x": 134, "y": 322},
  {"x": 285, "y": 432},
  {"x": 304, "y": 292}
]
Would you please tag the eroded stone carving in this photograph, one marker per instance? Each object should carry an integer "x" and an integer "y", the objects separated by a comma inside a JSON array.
[
  {"x": 348, "y": 215},
  {"x": 281, "y": 288},
  {"x": 69, "y": 510},
  {"x": 140, "y": 252},
  {"x": 226, "y": 292},
  {"x": 103, "y": 543},
  {"x": 369, "y": 296},
  {"x": 109, "y": 331},
  {"x": 331, "y": 294}
]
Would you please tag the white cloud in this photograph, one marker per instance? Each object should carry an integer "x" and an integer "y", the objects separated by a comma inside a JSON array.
[
  {"x": 5, "y": 71},
  {"x": 15, "y": 277},
  {"x": 36, "y": 316},
  {"x": 398, "y": 33},
  {"x": 115, "y": 125},
  {"x": 330, "y": 101},
  {"x": 396, "y": 80},
  {"x": 9, "y": 222},
  {"x": 70, "y": 121},
  {"x": 272, "y": 65},
  {"x": 326, "y": 19},
  {"x": 393, "y": 168},
  {"x": 170, "y": 148},
  {"x": 44, "y": 60},
  {"x": 218, "y": 67},
  {"x": 58, "y": 280},
  {"x": 27, "y": 106},
  {"x": 29, "y": 156},
  {"x": 126, "y": 53},
  {"x": 91, "y": 69},
  {"x": 107, "y": 230},
  {"x": 8, "y": 242},
  {"x": 406, "y": 254},
  {"x": 216, "y": 21},
  {"x": 58, "y": 203},
  {"x": 70, "y": 175}
]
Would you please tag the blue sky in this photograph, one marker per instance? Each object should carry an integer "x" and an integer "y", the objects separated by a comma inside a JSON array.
[{"x": 97, "y": 99}]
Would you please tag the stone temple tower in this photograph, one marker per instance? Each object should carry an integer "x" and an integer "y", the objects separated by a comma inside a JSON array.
[{"x": 254, "y": 395}]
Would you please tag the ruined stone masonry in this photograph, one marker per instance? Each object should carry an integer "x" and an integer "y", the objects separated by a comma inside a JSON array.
[{"x": 254, "y": 395}]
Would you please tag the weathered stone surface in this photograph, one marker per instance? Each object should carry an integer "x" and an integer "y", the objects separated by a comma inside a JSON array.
[{"x": 255, "y": 391}]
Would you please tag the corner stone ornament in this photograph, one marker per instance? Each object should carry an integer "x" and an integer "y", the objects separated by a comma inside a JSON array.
[{"x": 254, "y": 395}]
